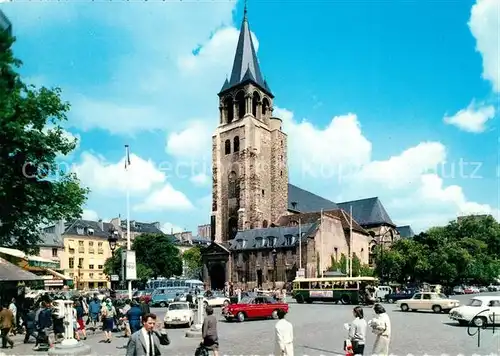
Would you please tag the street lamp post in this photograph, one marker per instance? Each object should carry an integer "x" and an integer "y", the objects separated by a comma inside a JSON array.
[
  {"x": 112, "y": 240},
  {"x": 274, "y": 253}
]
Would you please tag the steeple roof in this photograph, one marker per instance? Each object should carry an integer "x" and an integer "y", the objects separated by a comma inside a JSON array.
[{"x": 246, "y": 67}]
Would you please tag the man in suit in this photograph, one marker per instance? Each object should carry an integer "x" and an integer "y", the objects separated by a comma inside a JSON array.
[
  {"x": 145, "y": 342},
  {"x": 6, "y": 323}
]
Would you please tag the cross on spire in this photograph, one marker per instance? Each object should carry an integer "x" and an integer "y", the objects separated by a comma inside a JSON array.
[{"x": 245, "y": 10}]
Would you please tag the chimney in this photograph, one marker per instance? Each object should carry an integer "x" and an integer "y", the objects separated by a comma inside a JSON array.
[
  {"x": 101, "y": 224},
  {"x": 59, "y": 228}
]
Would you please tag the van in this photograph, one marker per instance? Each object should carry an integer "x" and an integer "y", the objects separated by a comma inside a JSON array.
[{"x": 381, "y": 292}]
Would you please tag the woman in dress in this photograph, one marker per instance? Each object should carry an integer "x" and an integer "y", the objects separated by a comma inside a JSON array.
[
  {"x": 381, "y": 327},
  {"x": 108, "y": 318}
]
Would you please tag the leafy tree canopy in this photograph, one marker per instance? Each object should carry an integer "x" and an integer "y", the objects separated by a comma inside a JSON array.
[
  {"x": 193, "y": 260},
  {"x": 466, "y": 251},
  {"x": 34, "y": 190},
  {"x": 156, "y": 256}
]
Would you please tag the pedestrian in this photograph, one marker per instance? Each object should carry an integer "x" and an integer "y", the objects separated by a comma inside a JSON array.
[
  {"x": 29, "y": 324},
  {"x": 80, "y": 311},
  {"x": 6, "y": 322},
  {"x": 94, "y": 312},
  {"x": 144, "y": 306},
  {"x": 381, "y": 327},
  {"x": 357, "y": 331},
  {"x": 108, "y": 312},
  {"x": 124, "y": 318},
  {"x": 43, "y": 321},
  {"x": 283, "y": 345},
  {"x": 13, "y": 308},
  {"x": 134, "y": 316},
  {"x": 210, "y": 338},
  {"x": 145, "y": 342}
]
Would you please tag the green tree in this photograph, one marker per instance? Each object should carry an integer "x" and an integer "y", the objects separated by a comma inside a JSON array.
[
  {"x": 334, "y": 265},
  {"x": 343, "y": 263},
  {"x": 158, "y": 253},
  {"x": 192, "y": 259},
  {"x": 35, "y": 191},
  {"x": 356, "y": 265}
]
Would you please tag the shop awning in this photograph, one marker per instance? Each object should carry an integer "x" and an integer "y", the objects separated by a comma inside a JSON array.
[
  {"x": 59, "y": 275},
  {"x": 11, "y": 272},
  {"x": 12, "y": 252}
]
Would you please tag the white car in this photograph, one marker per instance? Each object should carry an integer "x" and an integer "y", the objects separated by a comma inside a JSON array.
[
  {"x": 178, "y": 313},
  {"x": 381, "y": 292},
  {"x": 216, "y": 301},
  {"x": 479, "y": 311},
  {"x": 428, "y": 301}
]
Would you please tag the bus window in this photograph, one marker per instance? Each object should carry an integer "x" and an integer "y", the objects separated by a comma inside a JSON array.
[{"x": 304, "y": 285}]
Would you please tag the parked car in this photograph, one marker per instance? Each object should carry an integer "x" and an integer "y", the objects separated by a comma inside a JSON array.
[
  {"x": 428, "y": 301},
  {"x": 404, "y": 294},
  {"x": 178, "y": 313},
  {"x": 144, "y": 295},
  {"x": 259, "y": 307},
  {"x": 480, "y": 311},
  {"x": 493, "y": 288},
  {"x": 216, "y": 300},
  {"x": 471, "y": 290},
  {"x": 381, "y": 292},
  {"x": 162, "y": 299},
  {"x": 458, "y": 290}
]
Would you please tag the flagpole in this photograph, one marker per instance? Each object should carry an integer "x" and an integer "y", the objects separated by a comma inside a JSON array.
[
  {"x": 350, "y": 241},
  {"x": 129, "y": 247},
  {"x": 321, "y": 250},
  {"x": 300, "y": 244}
]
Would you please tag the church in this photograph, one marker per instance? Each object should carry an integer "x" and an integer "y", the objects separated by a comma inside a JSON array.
[{"x": 265, "y": 230}]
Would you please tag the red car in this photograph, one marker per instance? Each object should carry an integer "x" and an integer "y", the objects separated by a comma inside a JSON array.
[{"x": 258, "y": 307}]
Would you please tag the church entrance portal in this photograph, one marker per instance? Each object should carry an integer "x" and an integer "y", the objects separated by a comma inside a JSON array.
[
  {"x": 259, "y": 278},
  {"x": 217, "y": 276}
]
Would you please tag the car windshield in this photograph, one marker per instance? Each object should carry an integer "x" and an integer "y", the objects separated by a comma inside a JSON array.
[
  {"x": 475, "y": 303},
  {"x": 179, "y": 306},
  {"x": 246, "y": 300}
]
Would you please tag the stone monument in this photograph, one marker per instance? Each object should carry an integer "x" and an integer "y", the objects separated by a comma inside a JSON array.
[
  {"x": 68, "y": 346},
  {"x": 195, "y": 330}
]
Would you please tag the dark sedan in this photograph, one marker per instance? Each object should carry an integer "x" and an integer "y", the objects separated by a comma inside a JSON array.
[{"x": 404, "y": 294}]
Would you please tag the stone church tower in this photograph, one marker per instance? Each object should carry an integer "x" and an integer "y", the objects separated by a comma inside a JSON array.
[{"x": 249, "y": 155}]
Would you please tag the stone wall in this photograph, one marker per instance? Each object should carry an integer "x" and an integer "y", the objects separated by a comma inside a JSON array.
[
  {"x": 279, "y": 175},
  {"x": 331, "y": 235}
]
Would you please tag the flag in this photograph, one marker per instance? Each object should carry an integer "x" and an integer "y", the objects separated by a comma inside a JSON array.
[{"x": 127, "y": 157}]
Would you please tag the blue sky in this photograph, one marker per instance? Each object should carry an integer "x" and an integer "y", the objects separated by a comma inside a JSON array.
[{"x": 391, "y": 99}]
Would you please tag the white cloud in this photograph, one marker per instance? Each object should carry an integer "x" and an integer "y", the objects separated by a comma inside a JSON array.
[
  {"x": 338, "y": 148},
  {"x": 169, "y": 228},
  {"x": 484, "y": 24},
  {"x": 404, "y": 169},
  {"x": 89, "y": 214},
  {"x": 166, "y": 198},
  {"x": 194, "y": 142},
  {"x": 201, "y": 179},
  {"x": 110, "y": 178},
  {"x": 472, "y": 119}
]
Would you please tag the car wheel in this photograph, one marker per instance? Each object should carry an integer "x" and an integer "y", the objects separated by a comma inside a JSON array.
[
  {"x": 241, "y": 317},
  {"x": 379, "y": 300},
  {"x": 345, "y": 299},
  {"x": 404, "y": 307},
  {"x": 390, "y": 300},
  {"x": 437, "y": 309},
  {"x": 479, "y": 321},
  {"x": 163, "y": 304},
  {"x": 299, "y": 299},
  {"x": 274, "y": 314}
]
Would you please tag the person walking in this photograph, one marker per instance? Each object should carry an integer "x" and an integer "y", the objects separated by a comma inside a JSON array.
[
  {"x": 80, "y": 312},
  {"x": 210, "y": 338},
  {"x": 283, "y": 345},
  {"x": 144, "y": 307},
  {"x": 145, "y": 342},
  {"x": 13, "y": 308},
  {"x": 6, "y": 323},
  {"x": 29, "y": 323},
  {"x": 94, "y": 312},
  {"x": 134, "y": 316},
  {"x": 108, "y": 312},
  {"x": 357, "y": 331},
  {"x": 381, "y": 327}
]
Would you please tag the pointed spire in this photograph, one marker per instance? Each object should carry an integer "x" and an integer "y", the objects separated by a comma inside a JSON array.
[{"x": 246, "y": 65}]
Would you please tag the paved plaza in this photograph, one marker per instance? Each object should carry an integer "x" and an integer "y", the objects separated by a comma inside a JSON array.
[{"x": 319, "y": 330}]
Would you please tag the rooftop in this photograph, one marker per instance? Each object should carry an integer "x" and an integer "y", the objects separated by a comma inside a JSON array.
[{"x": 368, "y": 212}]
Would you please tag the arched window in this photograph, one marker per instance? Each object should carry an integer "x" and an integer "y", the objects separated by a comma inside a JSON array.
[
  {"x": 236, "y": 144},
  {"x": 227, "y": 147},
  {"x": 265, "y": 106},
  {"x": 232, "y": 227},
  {"x": 229, "y": 107},
  {"x": 240, "y": 104},
  {"x": 255, "y": 103},
  {"x": 233, "y": 186},
  {"x": 264, "y": 224}
]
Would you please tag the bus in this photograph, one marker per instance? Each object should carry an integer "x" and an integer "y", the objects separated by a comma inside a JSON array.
[
  {"x": 346, "y": 290},
  {"x": 174, "y": 283}
]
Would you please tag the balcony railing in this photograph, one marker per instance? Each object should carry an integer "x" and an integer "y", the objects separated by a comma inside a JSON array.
[
  {"x": 100, "y": 251},
  {"x": 81, "y": 249},
  {"x": 91, "y": 250}
]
